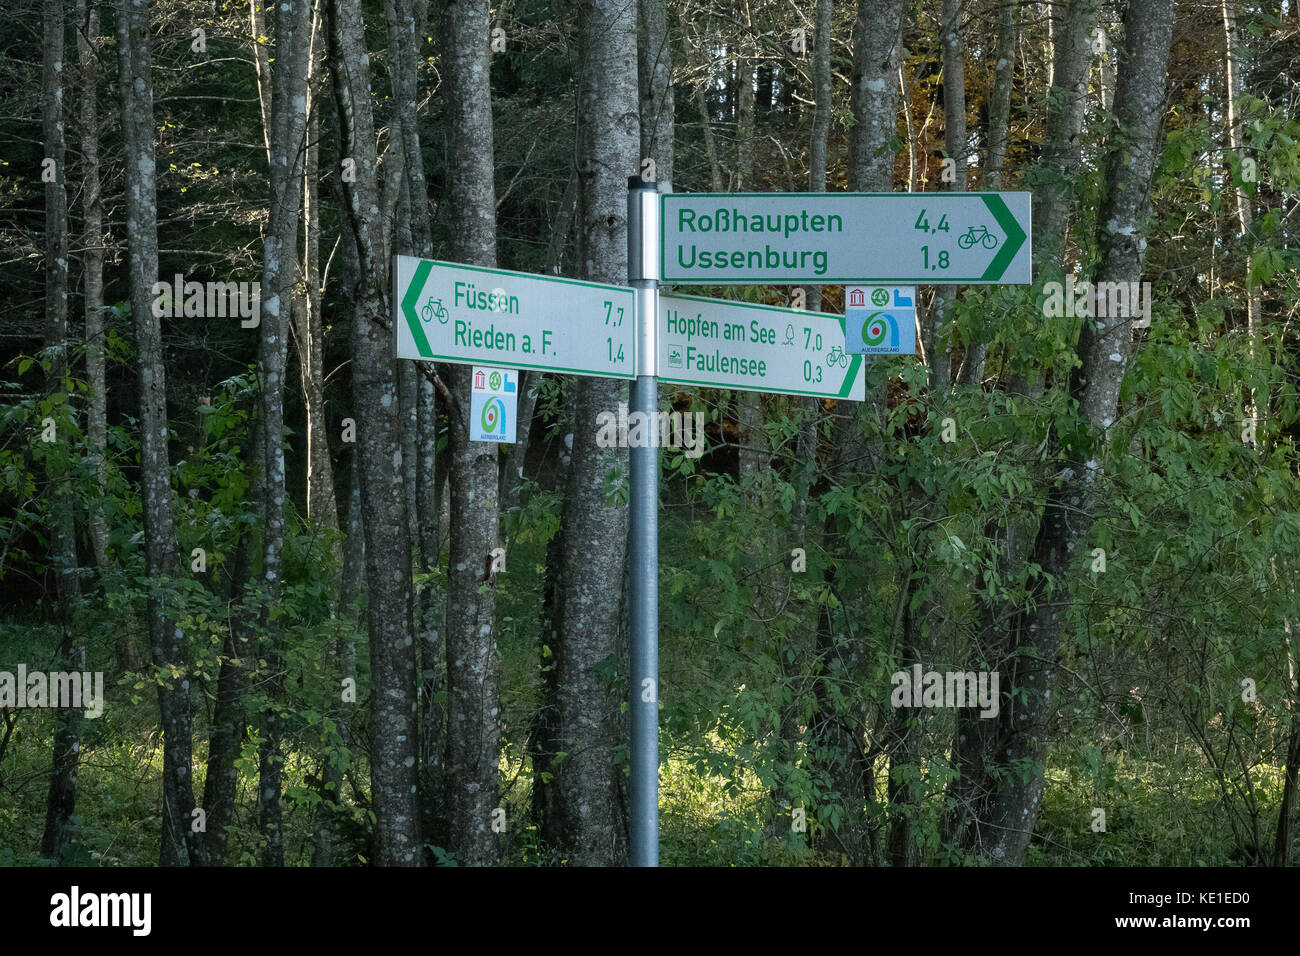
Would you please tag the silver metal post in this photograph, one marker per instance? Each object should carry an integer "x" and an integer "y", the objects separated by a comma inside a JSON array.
[{"x": 643, "y": 530}]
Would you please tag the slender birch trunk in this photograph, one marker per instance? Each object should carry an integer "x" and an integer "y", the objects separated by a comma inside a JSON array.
[
  {"x": 584, "y": 813},
  {"x": 167, "y": 640},
  {"x": 393, "y": 725}
]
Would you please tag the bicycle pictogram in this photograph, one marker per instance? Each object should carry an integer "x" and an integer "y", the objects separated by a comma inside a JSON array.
[
  {"x": 434, "y": 307},
  {"x": 980, "y": 235},
  {"x": 836, "y": 357}
]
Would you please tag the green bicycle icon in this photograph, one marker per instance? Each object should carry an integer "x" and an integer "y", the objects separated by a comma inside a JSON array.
[
  {"x": 434, "y": 307},
  {"x": 837, "y": 357},
  {"x": 982, "y": 236}
]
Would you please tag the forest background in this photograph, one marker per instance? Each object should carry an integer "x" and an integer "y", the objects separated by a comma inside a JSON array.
[{"x": 275, "y": 540}]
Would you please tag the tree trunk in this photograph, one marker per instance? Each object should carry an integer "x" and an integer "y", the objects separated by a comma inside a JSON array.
[
  {"x": 975, "y": 747},
  {"x": 239, "y": 651},
  {"x": 322, "y": 507},
  {"x": 433, "y": 658},
  {"x": 972, "y": 366},
  {"x": 419, "y": 417},
  {"x": 1104, "y": 350},
  {"x": 840, "y": 736},
  {"x": 1062, "y": 150},
  {"x": 344, "y": 655},
  {"x": 877, "y": 55},
  {"x": 72, "y": 648},
  {"x": 383, "y": 497},
  {"x": 262, "y": 64},
  {"x": 809, "y": 417},
  {"x": 1291, "y": 777},
  {"x": 1245, "y": 216},
  {"x": 279, "y": 274},
  {"x": 167, "y": 640},
  {"x": 585, "y": 815},
  {"x": 655, "y": 81},
  {"x": 1004, "y": 73},
  {"x": 474, "y": 721},
  {"x": 92, "y": 266},
  {"x": 710, "y": 141},
  {"x": 955, "y": 146}
]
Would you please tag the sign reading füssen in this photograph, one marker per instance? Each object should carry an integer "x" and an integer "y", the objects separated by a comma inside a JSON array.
[
  {"x": 757, "y": 348},
  {"x": 473, "y": 316},
  {"x": 834, "y": 238}
]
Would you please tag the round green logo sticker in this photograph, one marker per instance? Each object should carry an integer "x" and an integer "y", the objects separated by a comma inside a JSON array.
[{"x": 880, "y": 297}]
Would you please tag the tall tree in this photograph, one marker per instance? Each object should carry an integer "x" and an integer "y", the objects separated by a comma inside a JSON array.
[
  {"x": 839, "y": 728},
  {"x": 753, "y": 456},
  {"x": 166, "y": 637},
  {"x": 343, "y": 657},
  {"x": 309, "y": 318},
  {"x": 474, "y": 699},
  {"x": 1241, "y": 196},
  {"x": 976, "y": 741},
  {"x": 1004, "y": 72},
  {"x": 92, "y": 268},
  {"x": 655, "y": 81},
  {"x": 808, "y": 412},
  {"x": 955, "y": 149},
  {"x": 229, "y": 725},
  {"x": 1103, "y": 349},
  {"x": 288, "y": 119},
  {"x": 585, "y": 815},
  {"x": 383, "y": 497},
  {"x": 1053, "y": 176},
  {"x": 406, "y": 25},
  {"x": 999, "y": 100},
  {"x": 72, "y": 650}
]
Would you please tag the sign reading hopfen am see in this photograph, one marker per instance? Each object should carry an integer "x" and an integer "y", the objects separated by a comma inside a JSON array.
[
  {"x": 721, "y": 344},
  {"x": 468, "y": 315},
  {"x": 834, "y": 238}
]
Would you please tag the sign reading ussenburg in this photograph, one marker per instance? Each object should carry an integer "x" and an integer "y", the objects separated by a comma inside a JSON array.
[{"x": 834, "y": 238}]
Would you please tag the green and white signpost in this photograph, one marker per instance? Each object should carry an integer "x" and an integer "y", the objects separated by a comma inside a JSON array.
[
  {"x": 841, "y": 238},
  {"x": 455, "y": 313},
  {"x": 473, "y": 316},
  {"x": 760, "y": 348}
]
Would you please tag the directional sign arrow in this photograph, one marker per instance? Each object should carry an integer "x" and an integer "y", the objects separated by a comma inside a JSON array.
[
  {"x": 760, "y": 348},
  {"x": 842, "y": 238},
  {"x": 1015, "y": 237},
  {"x": 472, "y": 316}
]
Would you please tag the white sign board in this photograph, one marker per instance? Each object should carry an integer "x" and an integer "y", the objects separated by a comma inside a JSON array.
[
  {"x": 448, "y": 312},
  {"x": 841, "y": 238},
  {"x": 761, "y": 348}
]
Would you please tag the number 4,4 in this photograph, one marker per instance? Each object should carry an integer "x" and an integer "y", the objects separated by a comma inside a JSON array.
[{"x": 923, "y": 223}]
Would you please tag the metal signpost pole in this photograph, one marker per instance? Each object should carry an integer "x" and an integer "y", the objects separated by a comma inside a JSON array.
[{"x": 643, "y": 533}]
